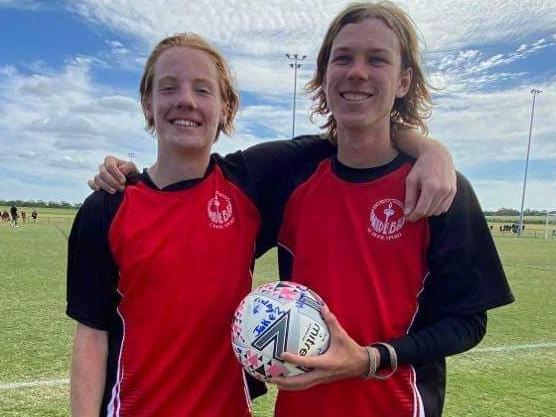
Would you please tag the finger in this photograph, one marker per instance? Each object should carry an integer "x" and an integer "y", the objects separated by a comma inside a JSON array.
[
  {"x": 436, "y": 203},
  {"x": 450, "y": 199},
  {"x": 438, "y": 209},
  {"x": 442, "y": 200},
  {"x": 288, "y": 386},
  {"x": 112, "y": 165},
  {"x": 104, "y": 185},
  {"x": 108, "y": 177},
  {"x": 422, "y": 206},
  {"x": 411, "y": 192},
  {"x": 129, "y": 168},
  {"x": 299, "y": 382},
  {"x": 310, "y": 362},
  {"x": 332, "y": 322},
  {"x": 443, "y": 205},
  {"x": 92, "y": 185}
]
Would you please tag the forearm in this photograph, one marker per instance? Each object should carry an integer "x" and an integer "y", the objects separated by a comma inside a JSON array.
[
  {"x": 414, "y": 143},
  {"x": 88, "y": 372},
  {"x": 443, "y": 338}
]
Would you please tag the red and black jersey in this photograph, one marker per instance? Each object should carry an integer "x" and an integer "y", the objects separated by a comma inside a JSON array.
[
  {"x": 163, "y": 271},
  {"x": 344, "y": 235}
]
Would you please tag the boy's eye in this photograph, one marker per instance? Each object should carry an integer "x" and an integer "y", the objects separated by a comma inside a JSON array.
[{"x": 341, "y": 59}]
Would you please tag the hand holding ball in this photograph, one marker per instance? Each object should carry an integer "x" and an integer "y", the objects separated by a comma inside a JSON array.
[{"x": 275, "y": 318}]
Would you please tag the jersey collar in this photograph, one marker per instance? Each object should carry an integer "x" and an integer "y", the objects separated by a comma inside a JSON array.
[
  {"x": 350, "y": 174},
  {"x": 145, "y": 178}
]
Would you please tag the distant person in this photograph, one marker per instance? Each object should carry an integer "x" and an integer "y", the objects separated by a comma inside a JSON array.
[
  {"x": 13, "y": 212},
  {"x": 5, "y": 216},
  {"x": 34, "y": 215},
  {"x": 23, "y": 216}
]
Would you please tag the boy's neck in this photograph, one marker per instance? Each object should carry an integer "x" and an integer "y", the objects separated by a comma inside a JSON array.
[
  {"x": 365, "y": 148},
  {"x": 170, "y": 170}
]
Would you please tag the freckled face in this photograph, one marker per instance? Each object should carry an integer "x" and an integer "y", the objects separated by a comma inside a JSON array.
[{"x": 186, "y": 103}]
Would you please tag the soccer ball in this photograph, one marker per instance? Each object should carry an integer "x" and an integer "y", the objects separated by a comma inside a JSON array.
[{"x": 277, "y": 317}]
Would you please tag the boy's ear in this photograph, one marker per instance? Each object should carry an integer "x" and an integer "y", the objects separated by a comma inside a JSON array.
[{"x": 404, "y": 82}]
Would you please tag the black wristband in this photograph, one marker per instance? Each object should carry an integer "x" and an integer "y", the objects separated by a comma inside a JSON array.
[{"x": 384, "y": 356}]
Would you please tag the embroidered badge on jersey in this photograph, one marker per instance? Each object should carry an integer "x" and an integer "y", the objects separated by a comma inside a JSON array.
[
  {"x": 386, "y": 219},
  {"x": 220, "y": 211}
]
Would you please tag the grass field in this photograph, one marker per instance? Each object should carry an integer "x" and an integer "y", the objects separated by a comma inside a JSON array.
[{"x": 512, "y": 372}]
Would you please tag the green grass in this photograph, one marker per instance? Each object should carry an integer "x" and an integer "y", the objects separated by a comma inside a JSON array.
[
  {"x": 519, "y": 382},
  {"x": 36, "y": 336}
]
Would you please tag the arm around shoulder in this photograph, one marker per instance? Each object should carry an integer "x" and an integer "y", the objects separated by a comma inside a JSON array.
[{"x": 431, "y": 184}]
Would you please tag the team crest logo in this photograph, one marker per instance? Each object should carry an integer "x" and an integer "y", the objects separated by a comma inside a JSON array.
[
  {"x": 386, "y": 219},
  {"x": 220, "y": 212}
]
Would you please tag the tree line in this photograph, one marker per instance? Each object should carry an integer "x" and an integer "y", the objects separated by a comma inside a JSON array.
[
  {"x": 39, "y": 204},
  {"x": 515, "y": 212}
]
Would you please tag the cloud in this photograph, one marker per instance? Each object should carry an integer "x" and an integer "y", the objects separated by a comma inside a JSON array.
[
  {"x": 58, "y": 124},
  {"x": 271, "y": 28},
  {"x": 57, "y": 127},
  {"x": 472, "y": 69},
  {"x": 495, "y": 125},
  {"x": 108, "y": 104},
  {"x": 494, "y": 194},
  {"x": 122, "y": 57},
  {"x": 20, "y": 4},
  {"x": 456, "y": 24}
]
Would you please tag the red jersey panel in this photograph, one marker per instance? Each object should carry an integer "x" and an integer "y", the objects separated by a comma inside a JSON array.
[{"x": 184, "y": 260}]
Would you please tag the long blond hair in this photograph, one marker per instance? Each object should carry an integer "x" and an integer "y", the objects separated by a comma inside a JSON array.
[{"x": 409, "y": 111}]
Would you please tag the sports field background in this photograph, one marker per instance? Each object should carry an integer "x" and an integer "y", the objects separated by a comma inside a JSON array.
[{"x": 511, "y": 373}]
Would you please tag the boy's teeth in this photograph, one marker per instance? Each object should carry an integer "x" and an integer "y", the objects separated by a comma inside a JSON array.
[
  {"x": 355, "y": 96},
  {"x": 186, "y": 123}
]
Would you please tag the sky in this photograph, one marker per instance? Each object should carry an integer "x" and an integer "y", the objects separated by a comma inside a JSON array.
[{"x": 69, "y": 75}]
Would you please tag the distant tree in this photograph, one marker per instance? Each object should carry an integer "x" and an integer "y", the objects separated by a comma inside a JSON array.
[{"x": 39, "y": 204}]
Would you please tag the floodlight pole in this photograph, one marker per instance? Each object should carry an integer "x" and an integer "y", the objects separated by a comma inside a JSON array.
[
  {"x": 520, "y": 230},
  {"x": 131, "y": 155},
  {"x": 546, "y": 226},
  {"x": 295, "y": 65}
]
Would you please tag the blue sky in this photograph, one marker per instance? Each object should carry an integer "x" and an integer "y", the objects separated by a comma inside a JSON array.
[{"x": 69, "y": 72}]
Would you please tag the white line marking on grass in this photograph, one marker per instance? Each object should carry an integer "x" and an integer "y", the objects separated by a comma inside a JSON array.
[
  {"x": 509, "y": 348},
  {"x": 38, "y": 383}
]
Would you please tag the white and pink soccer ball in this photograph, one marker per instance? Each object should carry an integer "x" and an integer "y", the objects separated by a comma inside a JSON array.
[{"x": 277, "y": 317}]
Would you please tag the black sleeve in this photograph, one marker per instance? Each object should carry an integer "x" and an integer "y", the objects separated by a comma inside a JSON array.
[
  {"x": 466, "y": 274},
  {"x": 443, "y": 338},
  {"x": 256, "y": 388},
  {"x": 274, "y": 167},
  {"x": 92, "y": 273},
  {"x": 466, "y": 279},
  {"x": 271, "y": 162}
]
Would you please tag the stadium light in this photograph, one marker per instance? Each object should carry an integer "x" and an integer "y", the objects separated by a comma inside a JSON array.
[
  {"x": 295, "y": 65},
  {"x": 548, "y": 214},
  {"x": 520, "y": 230},
  {"x": 131, "y": 155}
]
